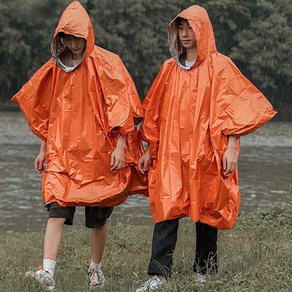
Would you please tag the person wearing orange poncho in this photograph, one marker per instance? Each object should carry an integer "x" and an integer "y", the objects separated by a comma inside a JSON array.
[
  {"x": 195, "y": 111},
  {"x": 83, "y": 104}
]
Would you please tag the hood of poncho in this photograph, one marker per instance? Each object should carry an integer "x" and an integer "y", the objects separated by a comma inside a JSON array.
[
  {"x": 74, "y": 21},
  {"x": 200, "y": 22}
]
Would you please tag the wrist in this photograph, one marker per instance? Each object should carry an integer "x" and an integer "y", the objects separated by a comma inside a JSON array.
[
  {"x": 43, "y": 146},
  {"x": 43, "y": 150},
  {"x": 121, "y": 147},
  {"x": 231, "y": 146},
  {"x": 231, "y": 142}
]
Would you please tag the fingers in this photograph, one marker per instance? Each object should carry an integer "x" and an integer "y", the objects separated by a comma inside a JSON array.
[
  {"x": 114, "y": 165},
  {"x": 230, "y": 167},
  {"x": 224, "y": 163},
  {"x": 226, "y": 167},
  {"x": 38, "y": 165},
  {"x": 117, "y": 164},
  {"x": 227, "y": 172},
  {"x": 120, "y": 165},
  {"x": 141, "y": 166},
  {"x": 112, "y": 159},
  {"x": 145, "y": 168}
]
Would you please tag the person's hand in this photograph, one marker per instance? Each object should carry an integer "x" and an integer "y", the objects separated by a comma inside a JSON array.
[
  {"x": 229, "y": 160},
  {"x": 118, "y": 159},
  {"x": 144, "y": 161},
  {"x": 40, "y": 161}
]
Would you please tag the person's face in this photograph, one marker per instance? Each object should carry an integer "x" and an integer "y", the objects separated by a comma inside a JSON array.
[
  {"x": 186, "y": 35},
  {"x": 75, "y": 44}
]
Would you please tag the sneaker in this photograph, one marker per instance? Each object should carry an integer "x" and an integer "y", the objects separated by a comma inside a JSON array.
[
  {"x": 152, "y": 284},
  {"x": 201, "y": 279},
  {"x": 44, "y": 278},
  {"x": 95, "y": 278}
]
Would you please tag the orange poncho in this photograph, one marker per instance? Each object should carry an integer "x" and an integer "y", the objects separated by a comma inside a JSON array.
[
  {"x": 188, "y": 116},
  {"x": 80, "y": 115}
]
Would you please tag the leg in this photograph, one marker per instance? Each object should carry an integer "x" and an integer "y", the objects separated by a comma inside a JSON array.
[
  {"x": 52, "y": 242},
  {"x": 206, "y": 249},
  {"x": 58, "y": 216},
  {"x": 163, "y": 246},
  {"x": 98, "y": 241},
  {"x": 53, "y": 238},
  {"x": 96, "y": 218}
]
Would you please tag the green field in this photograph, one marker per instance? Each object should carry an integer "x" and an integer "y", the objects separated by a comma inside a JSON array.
[{"x": 254, "y": 256}]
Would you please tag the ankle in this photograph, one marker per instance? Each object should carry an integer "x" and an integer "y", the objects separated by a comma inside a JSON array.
[
  {"x": 162, "y": 278},
  {"x": 94, "y": 266},
  {"x": 49, "y": 266}
]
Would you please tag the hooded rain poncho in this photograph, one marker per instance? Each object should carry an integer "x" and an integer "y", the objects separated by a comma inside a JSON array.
[
  {"x": 189, "y": 115},
  {"x": 80, "y": 114}
]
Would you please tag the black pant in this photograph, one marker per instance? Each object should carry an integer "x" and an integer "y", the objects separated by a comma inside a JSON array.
[{"x": 164, "y": 242}]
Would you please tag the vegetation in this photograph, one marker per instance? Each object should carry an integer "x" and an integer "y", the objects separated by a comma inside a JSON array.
[
  {"x": 255, "y": 33},
  {"x": 254, "y": 256}
]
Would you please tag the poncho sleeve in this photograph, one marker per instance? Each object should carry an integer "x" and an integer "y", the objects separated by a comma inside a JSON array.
[
  {"x": 34, "y": 99},
  {"x": 150, "y": 130},
  {"x": 134, "y": 100},
  {"x": 237, "y": 106},
  {"x": 120, "y": 94}
]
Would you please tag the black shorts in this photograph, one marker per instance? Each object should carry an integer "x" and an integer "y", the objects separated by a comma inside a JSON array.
[{"x": 94, "y": 216}]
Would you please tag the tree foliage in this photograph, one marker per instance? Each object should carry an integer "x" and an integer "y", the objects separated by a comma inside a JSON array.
[
  {"x": 265, "y": 48},
  {"x": 255, "y": 33}
]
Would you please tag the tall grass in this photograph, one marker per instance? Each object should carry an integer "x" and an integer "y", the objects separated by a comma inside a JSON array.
[{"x": 254, "y": 256}]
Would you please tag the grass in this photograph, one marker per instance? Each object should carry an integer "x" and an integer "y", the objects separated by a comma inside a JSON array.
[{"x": 254, "y": 256}]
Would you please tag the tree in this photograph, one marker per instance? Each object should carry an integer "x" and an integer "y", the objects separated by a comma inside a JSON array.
[
  {"x": 27, "y": 30},
  {"x": 228, "y": 18},
  {"x": 265, "y": 49},
  {"x": 135, "y": 30},
  {"x": 255, "y": 33}
]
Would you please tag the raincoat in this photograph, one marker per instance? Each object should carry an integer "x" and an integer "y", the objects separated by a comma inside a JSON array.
[
  {"x": 80, "y": 115},
  {"x": 189, "y": 115}
]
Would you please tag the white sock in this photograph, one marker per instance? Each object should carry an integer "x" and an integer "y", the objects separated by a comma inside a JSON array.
[
  {"x": 49, "y": 266},
  {"x": 95, "y": 266}
]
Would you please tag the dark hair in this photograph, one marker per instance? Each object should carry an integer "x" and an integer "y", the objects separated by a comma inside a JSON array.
[
  {"x": 61, "y": 35},
  {"x": 179, "y": 21}
]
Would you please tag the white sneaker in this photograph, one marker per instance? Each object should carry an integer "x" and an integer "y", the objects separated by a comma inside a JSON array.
[
  {"x": 95, "y": 278},
  {"x": 44, "y": 278},
  {"x": 201, "y": 279},
  {"x": 152, "y": 284}
]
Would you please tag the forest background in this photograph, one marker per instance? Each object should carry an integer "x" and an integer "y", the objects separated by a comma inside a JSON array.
[{"x": 256, "y": 34}]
